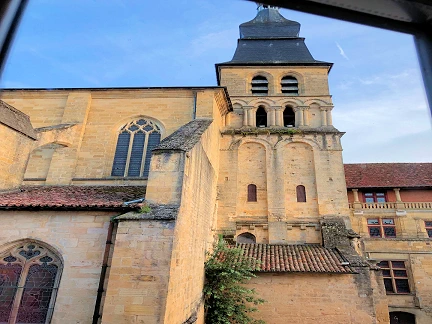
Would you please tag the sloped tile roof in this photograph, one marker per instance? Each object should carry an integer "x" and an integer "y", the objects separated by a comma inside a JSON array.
[
  {"x": 72, "y": 197},
  {"x": 393, "y": 175},
  {"x": 296, "y": 258},
  {"x": 16, "y": 120},
  {"x": 185, "y": 138}
]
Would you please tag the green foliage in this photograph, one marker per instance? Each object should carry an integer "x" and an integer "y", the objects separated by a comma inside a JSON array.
[
  {"x": 145, "y": 209},
  {"x": 227, "y": 300}
]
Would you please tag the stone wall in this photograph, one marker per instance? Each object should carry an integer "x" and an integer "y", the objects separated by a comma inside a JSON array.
[
  {"x": 277, "y": 164},
  {"x": 14, "y": 150},
  {"x": 79, "y": 238},
  {"x": 308, "y": 298}
]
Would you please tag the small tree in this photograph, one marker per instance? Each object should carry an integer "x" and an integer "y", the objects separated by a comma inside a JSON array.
[{"x": 227, "y": 301}]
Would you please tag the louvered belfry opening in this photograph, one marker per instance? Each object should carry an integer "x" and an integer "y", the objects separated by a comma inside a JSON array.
[
  {"x": 134, "y": 145},
  {"x": 260, "y": 85},
  {"x": 261, "y": 117},
  {"x": 288, "y": 117},
  {"x": 29, "y": 280},
  {"x": 289, "y": 85}
]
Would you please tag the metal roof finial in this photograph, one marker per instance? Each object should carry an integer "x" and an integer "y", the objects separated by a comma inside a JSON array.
[{"x": 262, "y": 6}]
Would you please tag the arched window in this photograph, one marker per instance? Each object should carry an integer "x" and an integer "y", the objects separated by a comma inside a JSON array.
[
  {"x": 260, "y": 85},
  {"x": 252, "y": 192},
  {"x": 29, "y": 279},
  {"x": 301, "y": 193},
  {"x": 289, "y": 85},
  {"x": 246, "y": 238},
  {"x": 288, "y": 117},
  {"x": 261, "y": 117},
  {"x": 133, "y": 152}
]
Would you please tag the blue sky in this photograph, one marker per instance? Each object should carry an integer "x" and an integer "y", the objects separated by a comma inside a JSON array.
[{"x": 375, "y": 81}]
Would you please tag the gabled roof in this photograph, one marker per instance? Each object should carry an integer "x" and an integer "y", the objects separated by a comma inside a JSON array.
[
  {"x": 15, "y": 119},
  {"x": 72, "y": 197},
  {"x": 391, "y": 175},
  {"x": 184, "y": 138},
  {"x": 296, "y": 258}
]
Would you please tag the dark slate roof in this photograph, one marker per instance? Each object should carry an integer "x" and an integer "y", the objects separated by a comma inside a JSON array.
[
  {"x": 272, "y": 51},
  {"x": 16, "y": 120},
  {"x": 185, "y": 138},
  {"x": 392, "y": 175},
  {"x": 296, "y": 258},
  {"x": 270, "y": 39},
  {"x": 72, "y": 197},
  {"x": 269, "y": 23}
]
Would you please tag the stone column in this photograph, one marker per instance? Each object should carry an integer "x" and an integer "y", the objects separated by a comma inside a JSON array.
[
  {"x": 271, "y": 116},
  {"x": 329, "y": 116},
  {"x": 323, "y": 116},
  {"x": 298, "y": 111},
  {"x": 399, "y": 204},
  {"x": 278, "y": 116},
  {"x": 252, "y": 117},
  {"x": 356, "y": 204},
  {"x": 245, "y": 116},
  {"x": 305, "y": 115}
]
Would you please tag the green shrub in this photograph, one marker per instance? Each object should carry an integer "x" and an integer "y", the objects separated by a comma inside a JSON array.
[{"x": 227, "y": 300}]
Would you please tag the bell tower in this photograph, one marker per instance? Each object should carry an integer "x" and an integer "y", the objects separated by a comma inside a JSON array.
[{"x": 281, "y": 159}]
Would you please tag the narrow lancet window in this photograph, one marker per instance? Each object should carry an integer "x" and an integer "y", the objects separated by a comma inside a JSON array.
[
  {"x": 289, "y": 85},
  {"x": 252, "y": 192},
  {"x": 301, "y": 193},
  {"x": 261, "y": 117},
  {"x": 133, "y": 152},
  {"x": 260, "y": 85}
]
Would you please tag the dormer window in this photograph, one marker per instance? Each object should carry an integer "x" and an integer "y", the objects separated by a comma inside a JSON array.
[
  {"x": 289, "y": 85},
  {"x": 259, "y": 85}
]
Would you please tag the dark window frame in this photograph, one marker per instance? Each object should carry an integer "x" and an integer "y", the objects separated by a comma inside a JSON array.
[
  {"x": 375, "y": 197},
  {"x": 288, "y": 119},
  {"x": 261, "y": 116},
  {"x": 394, "y": 278},
  {"x": 381, "y": 224},
  {"x": 252, "y": 193},
  {"x": 428, "y": 226},
  {"x": 301, "y": 193}
]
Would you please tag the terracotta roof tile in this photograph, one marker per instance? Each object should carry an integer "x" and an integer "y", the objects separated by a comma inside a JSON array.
[
  {"x": 296, "y": 258},
  {"x": 71, "y": 197},
  {"x": 388, "y": 175}
]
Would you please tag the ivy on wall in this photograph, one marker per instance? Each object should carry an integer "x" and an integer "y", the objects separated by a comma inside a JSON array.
[{"x": 227, "y": 300}]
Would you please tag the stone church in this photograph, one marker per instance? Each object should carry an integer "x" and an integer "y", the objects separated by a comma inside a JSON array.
[{"x": 111, "y": 197}]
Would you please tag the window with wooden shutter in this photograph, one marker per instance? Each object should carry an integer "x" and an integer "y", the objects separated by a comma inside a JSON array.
[
  {"x": 134, "y": 145},
  {"x": 252, "y": 193},
  {"x": 301, "y": 193}
]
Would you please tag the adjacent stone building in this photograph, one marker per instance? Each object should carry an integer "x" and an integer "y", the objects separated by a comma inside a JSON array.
[{"x": 112, "y": 196}]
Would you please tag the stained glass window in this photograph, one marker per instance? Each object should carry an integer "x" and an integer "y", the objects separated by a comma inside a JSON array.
[
  {"x": 134, "y": 145},
  {"x": 29, "y": 278}
]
